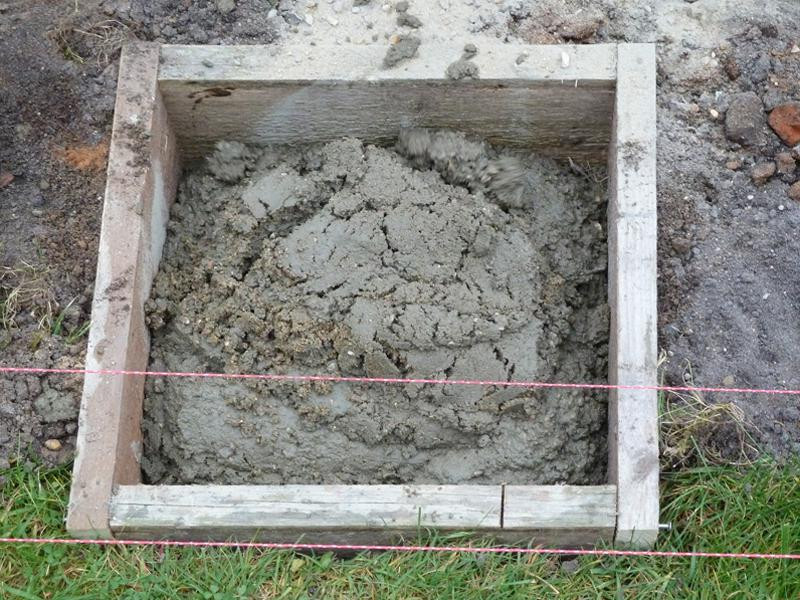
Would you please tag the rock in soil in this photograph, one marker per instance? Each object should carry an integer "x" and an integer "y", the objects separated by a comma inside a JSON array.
[
  {"x": 785, "y": 121},
  {"x": 403, "y": 49},
  {"x": 462, "y": 69},
  {"x": 734, "y": 164},
  {"x": 355, "y": 260},
  {"x": 52, "y": 444},
  {"x": 794, "y": 191},
  {"x": 744, "y": 121},
  {"x": 785, "y": 163},
  {"x": 762, "y": 172},
  {"x": 405, "y": 19}
]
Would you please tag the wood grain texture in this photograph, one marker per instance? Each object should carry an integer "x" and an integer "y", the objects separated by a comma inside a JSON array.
[
  {"x": 291, "y": 509},
  {"x": 633, "y": 414},
  {"x": 141, "y": 179},
  {"x": 564, "y": 516},
  {"x": 560, "y": 506},
  {"x": 559, "y": 111}
]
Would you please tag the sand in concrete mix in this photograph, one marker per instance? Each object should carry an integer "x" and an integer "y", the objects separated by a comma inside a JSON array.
[{"x": 441, "y": 258}]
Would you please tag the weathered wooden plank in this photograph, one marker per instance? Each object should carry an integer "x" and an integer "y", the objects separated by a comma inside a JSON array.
[
  {"x": 560, "y": 111},
  {"x": 560, "y": 506},
  {"x": 141, "y": 180},
  {"x": 546, "y": 537},
  {"x": 312, "y": 507},
  {"x": 563, "y": 516},
  {"x": 567, "y": 516},
  {"x": 633, "y": 414}
]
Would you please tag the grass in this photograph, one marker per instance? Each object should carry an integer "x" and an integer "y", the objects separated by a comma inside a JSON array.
[
  {"x": 711, "y": 508},
  {"x": 73, "y": 335},
  {"x": 24, "y": 288},
  {"x": 99, "y": 42}
]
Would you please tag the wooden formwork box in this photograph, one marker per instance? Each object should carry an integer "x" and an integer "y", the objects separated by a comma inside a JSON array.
[{"x": 174, "y": 102}]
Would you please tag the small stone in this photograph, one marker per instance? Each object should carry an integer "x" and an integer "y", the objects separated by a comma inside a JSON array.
[
  {"x": 744, "y": 120},
  {"x": 796, "y": 152},
  {"x": 44, "y": 185},
  {"x": 37, "y": 201},
  {"x": 734, "y": 164},
  {"x": 401, "y": 6},
  {"x": 570, "y": 566},
  {"x": 785, "y": 162},
  {"x": 714, "y": 113},
  {"x": 760, "y": 68},
  {"x": 361, "y": 2},
  {"x": 207, "y": 63},
  {"x": 52, "y": 444},
  {"x": 731, "y": 67},
  {"x": 272, "y": 13},
  {"x": 23, "y": 130},
  {"x": 403, "y": 49},
  {"x": 521, "y": 58},
  {"x": 332, "y": 20},
  {"x": 406, "y": 20},
  {"x": 728, "y": 381},
  {"x": 470, "y": 50},
  {"x": 579, "y": 30},
  {"x": 772, "y": 98},
  {"x": 762, "y": 172},
  {"x": 226, "y": 6},
  {"x": 795, "y": 49},
  {"x": 462, "y": 69},
  {"x": 199, "y": 35},
  {"x": 291, "y": 18},
  {"x": 794, "y": 191},
  {"x": 5, "y": 179},
  {"x": 785, "y": 121},
  {"x": 681, "y": 245},
  {"x": 308, "y": 19}
]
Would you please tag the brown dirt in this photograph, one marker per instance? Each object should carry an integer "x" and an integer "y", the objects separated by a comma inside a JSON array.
[{"x": 86, "y": 157}]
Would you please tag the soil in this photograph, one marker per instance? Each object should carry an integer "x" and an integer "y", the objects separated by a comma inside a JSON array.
[
  {"x": 355, "y": 260},
  {"x": 729, "y": 278}
]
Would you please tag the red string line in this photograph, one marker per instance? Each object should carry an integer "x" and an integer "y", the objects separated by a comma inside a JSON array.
[
  {"x": 399, "y": 380},
  {"x": 366, "y": 547}
]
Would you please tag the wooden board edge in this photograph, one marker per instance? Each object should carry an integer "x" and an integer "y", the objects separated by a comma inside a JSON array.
[
  {"x": 141, "y": 178},
  {"x": 633, "y": 414},
  {"x": 565, "y": 538}
]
